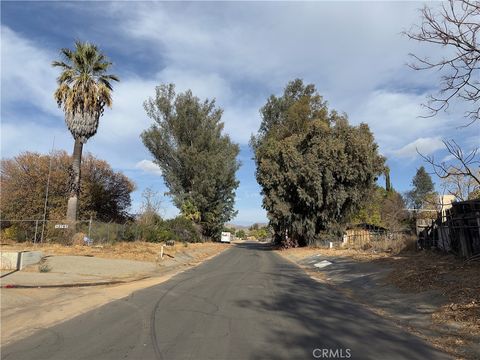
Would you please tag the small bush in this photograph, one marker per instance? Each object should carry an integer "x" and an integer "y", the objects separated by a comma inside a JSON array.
[
  {"x": 10, "y": 233},
  {"x": 129, "y": 232},
  {"x": 183, "y": 229},
  {"x": 241, "y": 234},
  {"x": 164, "y": 235},
  {"x": 44, "y": 267},
  {"x": 150, "y": 234},
  {"x": 177, "y": 229}
]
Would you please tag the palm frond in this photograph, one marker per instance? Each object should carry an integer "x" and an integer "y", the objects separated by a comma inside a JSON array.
[
  {"x": 67, "y": 54},
  {"x": 84, "y": 87},
  {"x": 61, "y": 64}
]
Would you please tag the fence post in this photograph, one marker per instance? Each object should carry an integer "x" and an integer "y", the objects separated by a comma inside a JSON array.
[
  {"x": 89, "y": 226},
  {"x": 43, "y": 228},
  {"x": 35, "y": 236}
]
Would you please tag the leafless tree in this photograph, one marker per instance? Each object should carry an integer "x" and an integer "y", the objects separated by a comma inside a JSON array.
[
  {"x": 151, "y": 206},
  {"x": 460, "y": 186},
  {"x": 460, "y": 167},
  {"x": 454, "y": 25}
]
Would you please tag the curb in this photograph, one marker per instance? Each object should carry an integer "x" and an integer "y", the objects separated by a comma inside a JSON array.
[{"x": 100, "y": 283}]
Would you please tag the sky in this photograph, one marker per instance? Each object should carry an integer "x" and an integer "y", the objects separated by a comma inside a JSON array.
[{"x": 238, "y": 53}]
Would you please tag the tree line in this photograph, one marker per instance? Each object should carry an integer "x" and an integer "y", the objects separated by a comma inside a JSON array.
[{"x": 317, "y": 172}]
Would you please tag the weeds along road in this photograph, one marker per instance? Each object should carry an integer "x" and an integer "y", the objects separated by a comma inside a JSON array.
[{"x": 246, "y": 303}]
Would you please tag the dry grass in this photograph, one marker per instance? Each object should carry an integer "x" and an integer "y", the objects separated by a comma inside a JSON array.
[
  {"x": 359, "y": 255},
  {"x": 386, "y": 245},
  {"x": 137, "y": 250},
  {"x": 457, "y": 280}
]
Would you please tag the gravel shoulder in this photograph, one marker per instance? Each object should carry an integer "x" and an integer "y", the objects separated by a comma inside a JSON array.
[{"x": 407, "y": 290}]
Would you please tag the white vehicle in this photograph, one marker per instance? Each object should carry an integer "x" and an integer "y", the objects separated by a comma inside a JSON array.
[{"x": 226, "y": 236}]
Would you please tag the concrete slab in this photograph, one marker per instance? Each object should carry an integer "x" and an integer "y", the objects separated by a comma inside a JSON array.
[
  {"x": 29, "y": 258},
  {"x": 68, "y": 270},
  {"x": 9, "y": 260},
  {"x": 17, "y": 260}
]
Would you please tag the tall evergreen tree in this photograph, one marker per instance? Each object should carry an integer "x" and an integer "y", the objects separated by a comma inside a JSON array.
[
  {"x": 423, "y": 187},
  {"x": 198, "y": 161},
  {"x": 314, "y": 168}
]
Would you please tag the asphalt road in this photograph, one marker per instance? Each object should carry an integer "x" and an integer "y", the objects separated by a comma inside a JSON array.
[{"x": 246, "y": 303}]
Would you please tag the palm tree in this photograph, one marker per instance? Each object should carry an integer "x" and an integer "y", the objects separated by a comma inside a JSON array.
[{"x": 84, "y": 89}]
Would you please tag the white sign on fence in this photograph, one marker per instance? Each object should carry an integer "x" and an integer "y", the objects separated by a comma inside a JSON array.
[{"x": 61, "y": 226}]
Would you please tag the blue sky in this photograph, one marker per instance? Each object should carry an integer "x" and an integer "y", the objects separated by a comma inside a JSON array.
[{"x": 238, "y": 53}]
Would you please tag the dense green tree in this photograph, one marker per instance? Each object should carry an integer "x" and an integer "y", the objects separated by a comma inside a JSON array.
[
  {"x": 241, "y": 234},
  {"x": 198, "y": 161},
  {"x": 382, "y": 208},
  {"x": 84, "y": 89},
  {"x": 260, "y": 233},
  {"x": 423, "y": 188},
  {"x": 314, "y": 168}
]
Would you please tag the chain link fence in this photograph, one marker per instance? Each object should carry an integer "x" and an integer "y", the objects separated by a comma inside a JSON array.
[
  {"x": 94, "y": 232},
  {"x": 82, "y": 231}
]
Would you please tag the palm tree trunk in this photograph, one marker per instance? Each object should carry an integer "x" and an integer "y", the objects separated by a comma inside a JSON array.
[{"x": 72, "y": 205}]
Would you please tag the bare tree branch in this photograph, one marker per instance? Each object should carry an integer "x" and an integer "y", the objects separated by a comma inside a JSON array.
[
  {"x": 461, "y": 173},
  {"x": 455, "y": 26}
]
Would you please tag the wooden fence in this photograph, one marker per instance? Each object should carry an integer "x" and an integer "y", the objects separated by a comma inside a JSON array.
[{"x": 458, "y": 233}]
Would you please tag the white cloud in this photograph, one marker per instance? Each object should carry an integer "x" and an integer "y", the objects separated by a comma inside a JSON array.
[
  {"x": 28, "y": 81},
  {"x": 27, "y": 136},
  {"x": 396, "y": 119},
  {"x": 424, "y": 146},
  {"x": 218, "y": 50},
  {"x": 27, "y": 74},
  {"x": 127, "y": 118},
  {"x": 149, "y": 166}
]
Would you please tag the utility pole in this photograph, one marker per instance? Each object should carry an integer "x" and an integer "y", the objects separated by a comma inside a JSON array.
[{"x": 46, "y": 191}]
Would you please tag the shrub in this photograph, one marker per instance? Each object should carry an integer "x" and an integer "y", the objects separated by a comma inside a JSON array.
[
  {"x": 183, "y": 229},
  {"x": 10, "y": 233},
  {"x": 165, "y": 234},
  {"x": 241, "y": 234},
  {"x": 129, "y": 232},
  {"x": 394, "y": 244},
  {"x": 44, "y": 267}
]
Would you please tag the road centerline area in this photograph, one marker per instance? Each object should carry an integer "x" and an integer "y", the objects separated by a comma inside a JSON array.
[{"x": 246, "y": 303}]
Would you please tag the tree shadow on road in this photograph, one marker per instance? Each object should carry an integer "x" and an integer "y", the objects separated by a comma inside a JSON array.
[{"x": 316, "y": 316}]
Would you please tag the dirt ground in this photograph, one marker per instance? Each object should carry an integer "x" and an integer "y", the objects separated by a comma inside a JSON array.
[
  {"x": 416, "y": 272},
  {"x": 137, "y": 250},
  {"x": 457, "y": 280}
]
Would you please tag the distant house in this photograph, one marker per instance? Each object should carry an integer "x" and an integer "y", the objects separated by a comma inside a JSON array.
[{"x": 426, "y": 217}]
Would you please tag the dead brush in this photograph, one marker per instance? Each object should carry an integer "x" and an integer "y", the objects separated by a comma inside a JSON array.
[
  {"x": 43, "y": 267},
  {"x": 384, "y": 244}
]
